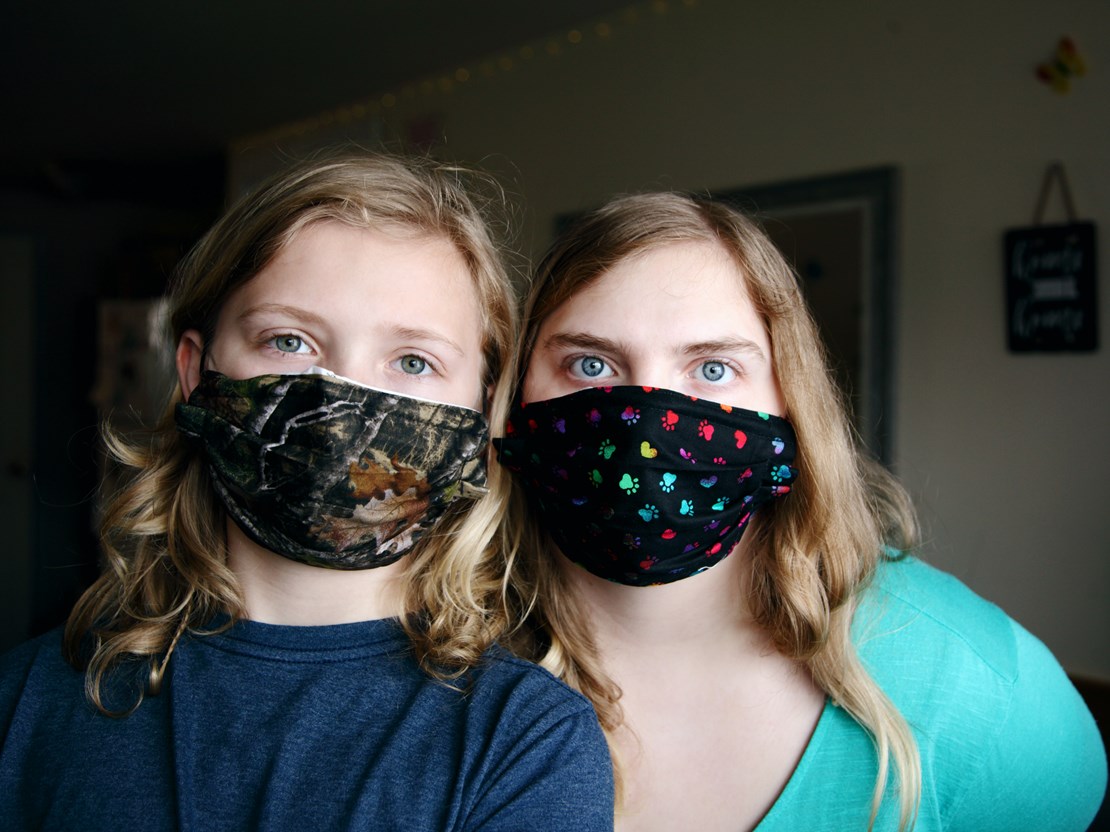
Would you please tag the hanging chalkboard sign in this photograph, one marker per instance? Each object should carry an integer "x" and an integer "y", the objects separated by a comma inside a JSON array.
[
  {"x": 1051, "y": 278},
  {"x": 1050, "y": 287}
]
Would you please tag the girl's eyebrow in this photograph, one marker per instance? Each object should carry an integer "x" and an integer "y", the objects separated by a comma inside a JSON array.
[
  {"x": 281, "y": 309},
  {"x": 741, "y": 346},
  {"x": 581, "y": 341},
  {"x": 409, "y": 333},
  {"x": 585, "y": 341}
]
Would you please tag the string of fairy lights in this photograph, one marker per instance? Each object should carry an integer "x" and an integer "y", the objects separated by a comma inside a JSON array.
[{"x": 483, "y": 69}]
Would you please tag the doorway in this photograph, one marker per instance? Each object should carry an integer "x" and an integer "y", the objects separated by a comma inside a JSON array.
[{"x": 839, "y": 234}]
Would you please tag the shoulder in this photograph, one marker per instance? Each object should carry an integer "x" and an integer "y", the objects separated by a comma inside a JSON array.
[
  {"x": 996, "y": 719},
  {"x": 42, "y": 692},
  {"x": 39, "y": 691},
  {"x": 911, "y": 600},
  {"x": 500, "y": 666},
  {"x": 517, "y": 683},
  {"x": 543, "y": 751},
  {"x": 46, "y": 646},
  {"x": 35, "y": 665}
]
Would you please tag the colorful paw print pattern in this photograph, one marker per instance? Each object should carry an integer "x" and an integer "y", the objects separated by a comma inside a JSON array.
[{"x": 679, "y": 476}]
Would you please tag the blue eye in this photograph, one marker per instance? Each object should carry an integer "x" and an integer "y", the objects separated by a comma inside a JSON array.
[
  {"x": 414, "y": 365},
  {"x": 288, "y": 343},
  {"x": 714, "y": 370},
  {"x": 591, "y": 366}
]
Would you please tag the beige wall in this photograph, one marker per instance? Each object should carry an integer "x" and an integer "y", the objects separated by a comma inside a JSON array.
[{"x": 1006, "y": 455}]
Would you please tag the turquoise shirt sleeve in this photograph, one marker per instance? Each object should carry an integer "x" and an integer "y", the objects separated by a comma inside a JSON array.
[
  {"x": 1006, "y": 742},
  {"x": 1045, "y": 768}
]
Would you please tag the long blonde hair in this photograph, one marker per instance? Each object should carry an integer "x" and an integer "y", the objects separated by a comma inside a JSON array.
[
  {"x": 163, "y": 534},
  {"x": 812, "y": 554}
]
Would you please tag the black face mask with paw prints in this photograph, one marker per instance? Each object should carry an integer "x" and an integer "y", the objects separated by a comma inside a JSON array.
[{"x": 644, "y": 486}]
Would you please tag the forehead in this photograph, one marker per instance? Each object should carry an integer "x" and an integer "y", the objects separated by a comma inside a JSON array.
[
  {"x": 673, "y": 285},
  {"x": 340, "y": 271},
  {"x": 311, "y": 235},
  {"x": 341, "y": 251}
]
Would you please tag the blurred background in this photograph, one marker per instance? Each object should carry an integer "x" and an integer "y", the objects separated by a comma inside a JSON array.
[{"x": 889, "y": 146}]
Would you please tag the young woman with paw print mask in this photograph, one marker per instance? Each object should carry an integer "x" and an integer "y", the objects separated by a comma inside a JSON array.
[
  {"x": 728, "y": 578},
  {"x": 295, "y": 626}
]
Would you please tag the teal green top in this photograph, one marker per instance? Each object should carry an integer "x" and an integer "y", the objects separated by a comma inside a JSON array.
[{"x": 1006, "y": 741}]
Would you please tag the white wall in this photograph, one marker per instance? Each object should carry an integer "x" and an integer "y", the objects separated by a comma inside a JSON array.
[{"x": 1006, "y": 454}]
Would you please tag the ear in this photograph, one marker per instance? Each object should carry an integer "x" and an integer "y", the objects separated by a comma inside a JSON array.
[{"x": 190, "y": 355}]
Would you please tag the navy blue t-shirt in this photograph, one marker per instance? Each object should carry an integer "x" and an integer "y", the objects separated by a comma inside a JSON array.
[{"x": 301, "y": 728}]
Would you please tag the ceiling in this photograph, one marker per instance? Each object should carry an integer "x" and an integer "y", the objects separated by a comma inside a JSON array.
[{"x": 143, "y": 81}]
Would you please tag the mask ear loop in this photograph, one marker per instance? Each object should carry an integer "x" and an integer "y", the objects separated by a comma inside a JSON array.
[{"x": 158, "y": 672}]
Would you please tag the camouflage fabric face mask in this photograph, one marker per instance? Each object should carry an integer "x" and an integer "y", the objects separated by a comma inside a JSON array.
[{"x": 331, "y": 473}]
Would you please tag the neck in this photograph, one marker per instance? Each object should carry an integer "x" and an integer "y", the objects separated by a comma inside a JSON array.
[
  {"x": 277, "y": 590},
  {"x": 705, "y": 614}
]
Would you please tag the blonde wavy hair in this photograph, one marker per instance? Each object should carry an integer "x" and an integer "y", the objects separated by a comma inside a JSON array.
[
  {"x": 163, "y": 534},
  {"x": 812, "y": 554}
]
